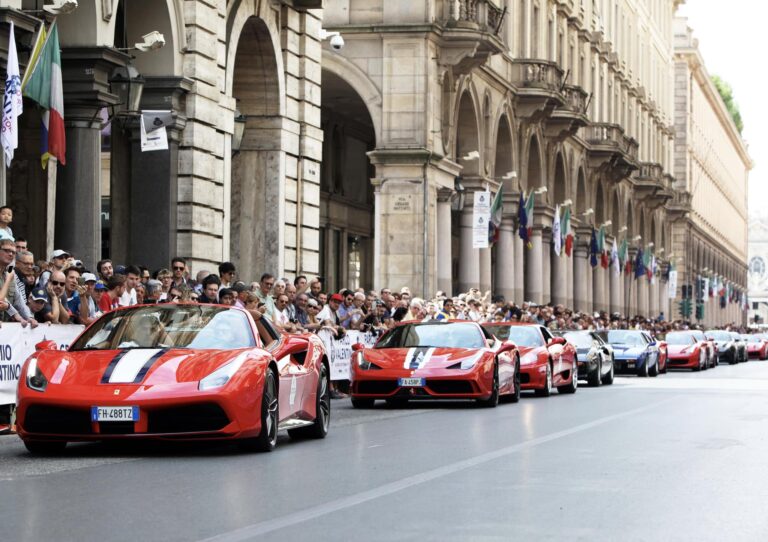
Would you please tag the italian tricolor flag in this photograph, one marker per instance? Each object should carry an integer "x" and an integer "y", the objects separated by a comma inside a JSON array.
[
  {"x": 566, "y": 232},
  {"x": 44, "y": 86}
]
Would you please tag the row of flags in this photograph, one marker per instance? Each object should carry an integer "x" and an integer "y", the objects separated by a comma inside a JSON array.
[
  {"x": 42, "y": 83},
  {"x": 713, "y": 286}
]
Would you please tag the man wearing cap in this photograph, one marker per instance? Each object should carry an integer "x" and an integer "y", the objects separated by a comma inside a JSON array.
[
  {"x": 329, "y": 313},
  {"x": 38, "y": 299},
  {"x": 58, "y": 262}
]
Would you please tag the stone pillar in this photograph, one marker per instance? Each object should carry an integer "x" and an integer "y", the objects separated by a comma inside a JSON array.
[
  {"x": 519, "y": 268},
  {"x": 505, "y": 260},
  {"x": 85, "y": 73},
  {"x": 546, "y": 266},
  {"x": 559, "y": 275},
  {"x": 663, "y": 299},
  {"x": 444, "y": 252},
  {"x": 156, "y": 173},
  {"x": 484, "y": 256},
  {"x": 580, "y": 278},
  {"x": 568, "y": 262},
  {"x": 615, "y": 286},
  {"x": 469, "y": 258},
  {"x": 534, "y": 271},
  {"x": 642, "y": 296},
  {"x": 653, "y": 304},
  {"x": 598, "y": 288},
  {"x": 631, "y": 286}
]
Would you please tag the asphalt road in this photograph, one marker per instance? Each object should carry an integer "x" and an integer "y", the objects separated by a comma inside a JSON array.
[{"x": 680, "y": 457}]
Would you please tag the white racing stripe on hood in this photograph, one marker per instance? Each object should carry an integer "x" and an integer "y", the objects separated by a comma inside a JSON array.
[
  {"x": 127, "y": 369},
  {"x": 417, "y": 357}
]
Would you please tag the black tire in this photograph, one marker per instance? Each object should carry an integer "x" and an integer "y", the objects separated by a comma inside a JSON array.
[
  {"x": 493, "y": 400},
  {"x": 319, "y": 428},
  {"x": 705, "y": 365},
  {"x": 546, "y": 391},
  {"x": 608, "y": 379},
  {"x": 266, "y": 440},
  {"x": 515, "y": 397},
  {"x": 397, "y": 403},
  {"x": 573, "y": 385},
  {"x": 44, "y": 447},
  {"x": 362, "y": 403},
  {"x": 594, "y": 379},
  {"x": 643, "y": 372}
]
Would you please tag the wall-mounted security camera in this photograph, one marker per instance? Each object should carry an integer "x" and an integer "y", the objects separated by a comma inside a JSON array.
[
  {"x": 152, "y": 41},
  {"x": 61, "y": 7},
  {"x": 336, "y": 41}
]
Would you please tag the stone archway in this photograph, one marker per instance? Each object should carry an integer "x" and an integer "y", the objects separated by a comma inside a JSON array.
[
  {"x": 257, "y": 187},
  {"x": 466, "y": 259},
  {"x": 347, "y": 196}
]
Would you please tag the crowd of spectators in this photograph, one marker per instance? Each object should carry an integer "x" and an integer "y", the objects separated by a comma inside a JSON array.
[{"x": 61, "y": 290}]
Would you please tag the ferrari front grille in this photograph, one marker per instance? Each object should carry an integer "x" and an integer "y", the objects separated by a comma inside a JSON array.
[
  {"x": 449, "y": 387},
  {"x": 116, "y": 428},
  {"x": 55, "y": 420},
  {"x": 187, "y": 419},
  {"x": 376, "y": 387}
]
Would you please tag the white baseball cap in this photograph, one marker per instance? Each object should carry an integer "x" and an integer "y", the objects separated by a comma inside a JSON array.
[
  {"x": 89, "y": 277},
  {"x": 59, "y": 253}
]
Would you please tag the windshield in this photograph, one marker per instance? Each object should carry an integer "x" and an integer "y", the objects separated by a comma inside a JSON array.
[
  {"x": 754, "y": 339},
  {"x": 719, "y": 335},
  {"x": 632, "y": 338},
  {"x": 680, "y": 338},
  {"x": 520, "y": 335},
  {"x": 168, "y": 326},
  {"x": 453, "y": 335},
  {"x": 580, "y": 340}
]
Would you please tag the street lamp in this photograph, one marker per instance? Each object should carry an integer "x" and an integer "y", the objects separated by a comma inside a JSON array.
[
  {"x": 128, "y": 85},
  {"x": 238, "y": 132},
  {"x": 457, "y": 200}
]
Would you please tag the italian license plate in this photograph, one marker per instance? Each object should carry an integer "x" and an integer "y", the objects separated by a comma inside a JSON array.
[
  {"x": 410, "y": 382},
  {"x": 114, "y": 414},
  {"x": 630, "y": 364}
]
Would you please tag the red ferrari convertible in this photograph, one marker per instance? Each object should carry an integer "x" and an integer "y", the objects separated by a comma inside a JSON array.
[
  {"x": 435, "y": 360},
  {"x": 185, "y": 371},
  {"x": 546, "y": 362}
]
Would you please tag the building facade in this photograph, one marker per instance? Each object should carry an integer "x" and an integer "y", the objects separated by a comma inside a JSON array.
[
  {"x": 571, "y": 96},
  {"x": 709, "y": 212},
  {"x": 256, "y": 62},
  {"x": 758, "y": 270},
  {"x": 359, "y": 164}
]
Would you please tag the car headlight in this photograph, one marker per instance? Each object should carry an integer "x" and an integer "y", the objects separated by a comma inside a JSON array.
[
  {"x": 528, "y": 359},
  {"x": 364, "y": 364},
  {"x": 221, "y": 376},
  {"x": 35, "y": 378}
]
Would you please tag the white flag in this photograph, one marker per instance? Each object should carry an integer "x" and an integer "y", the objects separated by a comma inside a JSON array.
[
  {"x": 13, "y": 104},
  {"x": 615, "y": 258},
  {"x": 557, "y": 239}
]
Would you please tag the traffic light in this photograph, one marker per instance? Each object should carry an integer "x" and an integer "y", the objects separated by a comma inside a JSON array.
[
  {"x": 685, "y": 307},
  {"x": 700, "y": 310}
]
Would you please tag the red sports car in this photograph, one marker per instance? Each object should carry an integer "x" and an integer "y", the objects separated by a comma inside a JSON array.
[
  {"x": 435, "y": 360},
  {"x": 186, "y": 371},
  {"x": 546, "y": 362},
  {"x": 663, "y": 356},
  {"x": 685, "y": 352},
  {"x": 757, "y": 347}
]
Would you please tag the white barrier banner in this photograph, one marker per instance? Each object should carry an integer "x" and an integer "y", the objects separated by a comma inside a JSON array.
[
  {"x": 16, "y": 345},
  {"x": 340, "y": 350}
]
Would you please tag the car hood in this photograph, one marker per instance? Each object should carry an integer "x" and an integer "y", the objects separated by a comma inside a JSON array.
[
  {"x": 628, "y": 349},
  {"x": 420, "y": 357},
  {"x": 676, "y": 349},
  {"x": 146, "y": 366}
]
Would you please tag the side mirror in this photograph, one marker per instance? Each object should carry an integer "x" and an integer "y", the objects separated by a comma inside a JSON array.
[
  {"x": 46, "y": 345},
  {"x": 557, "y": 340},
  {"x": 507, "y": 346},
  {"x": 357, "y": 347}
]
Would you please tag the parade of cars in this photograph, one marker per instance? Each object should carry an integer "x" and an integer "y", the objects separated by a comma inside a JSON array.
[
  {"x": 634, "y": 351},
  {"x": 594, "y": 356}
]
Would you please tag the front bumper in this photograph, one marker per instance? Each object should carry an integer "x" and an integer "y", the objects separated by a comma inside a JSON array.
[
  {"x": 475, "y": 383},
  {"x": 587, "y": 367},
  {"x": 684, "y": 361},
  {"x": 189, "y": 415}
]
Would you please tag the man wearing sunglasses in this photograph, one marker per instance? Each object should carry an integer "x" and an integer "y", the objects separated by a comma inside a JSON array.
[
  {"x": 13, "y": 303},
  {"x": 56, "y": 310},
  {"x": 179, "y": 268}
]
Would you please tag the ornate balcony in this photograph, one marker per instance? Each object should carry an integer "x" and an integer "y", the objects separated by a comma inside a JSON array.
[
  {"x": 539, "y": 87},
  {"x": 470, "y": 34},
  {"x": 679, "y": 205},
  {"x": 611, "y": 150},
  {"x": 566, "y": 120},
  {"x": 650, "y": 184}
]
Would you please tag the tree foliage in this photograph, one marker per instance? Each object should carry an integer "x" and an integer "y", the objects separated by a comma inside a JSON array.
[{"x": 726, "y": 93}]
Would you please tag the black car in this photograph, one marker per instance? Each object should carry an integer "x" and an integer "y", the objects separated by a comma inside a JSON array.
[{"x": 595, "y": 356}]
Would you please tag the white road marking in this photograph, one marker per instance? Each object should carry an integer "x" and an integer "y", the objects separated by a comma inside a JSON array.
[{"x": 257, "y": 529}]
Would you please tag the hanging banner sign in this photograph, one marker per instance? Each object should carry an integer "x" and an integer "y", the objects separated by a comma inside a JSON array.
[
  {"x": 481, "y": 216},
  {"x": 672, "y": 285}
]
